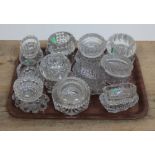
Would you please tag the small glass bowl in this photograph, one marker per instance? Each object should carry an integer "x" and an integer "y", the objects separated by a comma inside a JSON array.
[
  {"x": 71, "y": 96},
  {"x": 117, "y": 68},
  {"x": 119, "y": 97},
  {"x": 91, "y": 46},
  {"x": 30, "y": 51},
  {"x": 28, "y": 89},
  {"x": 55, "y": 67},
  {"x": 62, "y": 42},
  {"x": 123, "y": 45}
]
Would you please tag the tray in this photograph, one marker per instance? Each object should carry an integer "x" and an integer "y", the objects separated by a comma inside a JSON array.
[{"x": 95, "y": 110}]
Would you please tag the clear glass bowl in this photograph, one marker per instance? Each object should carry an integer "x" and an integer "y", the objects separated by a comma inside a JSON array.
[
  {"x": 62, "y": 42},
  {"x": 119, "y": 97},
  {"x": 122, "y": 44},
  {"x": 55, "y": 67},
  {"x": 30, "y": 51},
  {"x": 91, "y": 46},
  {"x": 71, "y": 96},
  {"x": 28, "y": 88},
  {"x": 117, "y": 68}
]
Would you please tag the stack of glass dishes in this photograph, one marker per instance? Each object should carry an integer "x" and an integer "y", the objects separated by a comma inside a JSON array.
[{"x": 99, "y": 67}]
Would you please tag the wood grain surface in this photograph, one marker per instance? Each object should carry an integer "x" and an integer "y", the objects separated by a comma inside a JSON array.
[{"x": 8, "y": 54}]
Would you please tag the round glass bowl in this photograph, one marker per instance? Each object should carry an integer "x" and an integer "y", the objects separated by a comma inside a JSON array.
[
  {"x": 117, "y": 68},
  {"x": 55, "y": 67},
  {"x": 119, "y": 97},
  {"x": 122, "y": 44},
  {"x": 91, "y": 46},
  {"x": 61, "y": 42},
  {"x": 30, "y": 52},
  {"x": 28, "y": 89},
  {"x": 71, "y": 96}
]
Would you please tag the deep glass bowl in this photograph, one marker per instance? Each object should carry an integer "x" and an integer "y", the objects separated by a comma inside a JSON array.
[
  {"x": 71, "y": 96},
  {"x": 28, "y": 88},
  {"x": 55, "y": 67},
  {"x": 92, "y": 45},
  {"x": 62, "y": 42},
  {"x": 122, "y": 44}
]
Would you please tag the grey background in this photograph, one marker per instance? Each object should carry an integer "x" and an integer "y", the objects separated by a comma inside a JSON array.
[{"x": 17, "y": 31}]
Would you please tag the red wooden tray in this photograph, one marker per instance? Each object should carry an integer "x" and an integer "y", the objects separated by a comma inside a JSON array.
[{"x": 95, "y": 110}]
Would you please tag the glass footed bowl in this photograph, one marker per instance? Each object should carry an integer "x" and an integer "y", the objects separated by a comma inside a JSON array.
[
  {"x": 55, "y": 67},
  {"x": 119, "y": 97},
  {"x": 122, "y": 44},
  {"x": 71, "y": 96},
  {"x": 62, "y": 42},
  {"x": 28, "y": 89}
]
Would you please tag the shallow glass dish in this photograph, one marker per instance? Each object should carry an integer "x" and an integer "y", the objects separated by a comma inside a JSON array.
[
  {"x": 119, "y": 97},
  {"x": 122, "y": 44},
  {"x": 71, "y": 96}
]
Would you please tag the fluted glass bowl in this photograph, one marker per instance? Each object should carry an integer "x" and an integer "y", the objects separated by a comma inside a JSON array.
[
  {"x": 122, "y": 44},
  {"x": 71, "y": 96}
]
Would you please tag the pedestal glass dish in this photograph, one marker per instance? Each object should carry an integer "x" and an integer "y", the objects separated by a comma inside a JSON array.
[{"x": 71, "y": 96}]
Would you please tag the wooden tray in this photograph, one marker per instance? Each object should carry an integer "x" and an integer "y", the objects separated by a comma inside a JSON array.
[{"x": 95, "y": 110}]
